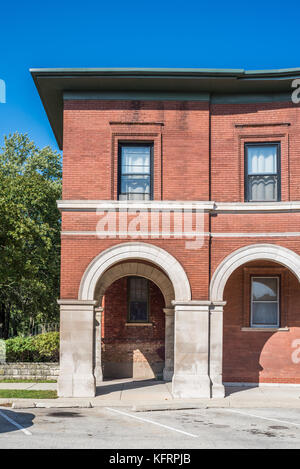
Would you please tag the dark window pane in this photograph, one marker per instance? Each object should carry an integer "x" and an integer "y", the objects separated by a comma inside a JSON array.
[
  {"x": 138, "y": 299},
  {"x": 138, "y": 311},
  {"x": 265, "y": 314},
  {"x": 264, "y": 289},
  {"x": 265, "y": 301},
  {"x": 262, "y": 188}
]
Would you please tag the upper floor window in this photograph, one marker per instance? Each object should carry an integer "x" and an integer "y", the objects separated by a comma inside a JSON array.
[
  {"x": 265, "y": 301},
  {"x": 138, "y": 299},
  {"x": 135, "y": 171},
  {"x": 262, "y": 171}
]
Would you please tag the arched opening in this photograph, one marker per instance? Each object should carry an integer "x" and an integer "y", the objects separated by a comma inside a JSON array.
[
  {"x": 130, "y": 349},
  {"x": 268, "y": 252},
  {"x": 259, "y": 335},
  {"x": 261, "y": 319},
  {"x": 133, "y": 329},
  {"x": 134, "y": 296}
]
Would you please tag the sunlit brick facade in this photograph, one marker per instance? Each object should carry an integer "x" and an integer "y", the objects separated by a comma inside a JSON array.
[{"x": 220, "y": 145}]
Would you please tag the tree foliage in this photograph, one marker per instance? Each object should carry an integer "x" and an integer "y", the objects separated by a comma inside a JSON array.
[
  {"x": 40, "y": 348},
  {"x": 30, "y": 184}
]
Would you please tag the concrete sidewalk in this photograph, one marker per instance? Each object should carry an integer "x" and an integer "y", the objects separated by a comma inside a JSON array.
[{"x": 156, "y": 395}]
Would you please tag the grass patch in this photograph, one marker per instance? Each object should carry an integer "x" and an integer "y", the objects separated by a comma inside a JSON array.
[
  {"x": 27, "y": 394},
  {"x": 15, "y": 380}
]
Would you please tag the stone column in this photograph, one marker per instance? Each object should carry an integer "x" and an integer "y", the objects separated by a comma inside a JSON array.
[
  {"x": 216, "y": 348},
  {"x": 76, "y": 378},
  {"x": 98, "y": 340},
  {"x": 169, "y": 344},
  {"x": 191, "y": 378}
]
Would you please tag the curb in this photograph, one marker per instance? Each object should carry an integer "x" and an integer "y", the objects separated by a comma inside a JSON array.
[
  {"x": 52, "y": 405},
  {"x": 153, "y": 408},
  {"x": 158, "y": 407},
  {"x": 138, "y": 405}
]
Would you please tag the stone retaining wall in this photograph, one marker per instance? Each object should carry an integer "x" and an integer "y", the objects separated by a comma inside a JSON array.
[{"x": 29, "y": 371}]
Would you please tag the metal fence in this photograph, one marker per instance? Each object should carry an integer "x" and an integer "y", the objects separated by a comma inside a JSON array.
[
  {"x": 35, "y": 330},
  {"x": 44, "y": 327}
]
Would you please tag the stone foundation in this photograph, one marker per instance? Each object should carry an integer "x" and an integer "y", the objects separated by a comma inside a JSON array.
[{"x": 29, "y": 371}]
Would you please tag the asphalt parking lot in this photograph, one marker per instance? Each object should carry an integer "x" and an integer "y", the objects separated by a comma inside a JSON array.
[{"x": 113, "y": 428}]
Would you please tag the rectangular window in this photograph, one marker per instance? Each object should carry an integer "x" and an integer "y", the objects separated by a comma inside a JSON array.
[
  {"x": 265, "y": 302},
  {"x": 135, "y": 171},
  {"x": 262, "y": 172},
  {"x": 138, "y": 299}
]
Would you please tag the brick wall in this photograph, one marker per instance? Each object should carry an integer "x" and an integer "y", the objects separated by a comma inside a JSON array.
[
  {"x": 136, "y": 351},
  {"x": 190, "y": 138},
  {"x": 91, "y": 130},
  {"x": 255, "y": 356},
  {"x": 233, "y": 125},
  {"x": 78, "y": 252}
]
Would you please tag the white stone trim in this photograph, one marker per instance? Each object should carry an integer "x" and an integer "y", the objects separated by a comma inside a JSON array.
[
  {"x": 135, "y": 250},
  {"x": 201, "y": 205},
  {"x": 101, "y": 205},
  {"x": 198, "y": 306},
  {"x": 256, "y": 207},
  {"x": 256, "y": 235},
  {"x": 174, "y": 234},
  {"x": 191, "y": 303},
  {"x": 141, "y": 234},
  {"x": 270, "y": 252},
  {"x": 76, "y": 302}
]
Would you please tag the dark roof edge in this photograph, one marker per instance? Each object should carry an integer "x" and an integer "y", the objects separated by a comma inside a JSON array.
[
  {"x": 52, "y": 82},
  {"x": 165, "y": 72},
  {"x": 57, "y": 134}
]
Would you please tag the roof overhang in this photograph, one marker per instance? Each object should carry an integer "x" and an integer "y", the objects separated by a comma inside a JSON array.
[{"x": 54, "y": 82}]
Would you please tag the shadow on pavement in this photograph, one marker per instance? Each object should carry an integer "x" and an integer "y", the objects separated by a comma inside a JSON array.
[
  {"x": 121, "y": 386},
  {"x": 7, "y": 417},
  {"x": 233, "y": 389}
]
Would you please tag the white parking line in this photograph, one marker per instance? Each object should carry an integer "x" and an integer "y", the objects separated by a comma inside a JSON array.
[
  {"x": 151, "y": 421},
  {"x": 19, "y": 427},
  {"x": 264, "y": 418}
]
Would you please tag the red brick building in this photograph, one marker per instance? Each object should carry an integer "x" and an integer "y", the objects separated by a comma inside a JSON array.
[{"x": 180, "y": 226}]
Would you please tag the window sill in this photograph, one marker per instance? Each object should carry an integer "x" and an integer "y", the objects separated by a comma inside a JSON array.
[
  {"x": 139, "y": 324},
  {"x": 265, "y": 329}
]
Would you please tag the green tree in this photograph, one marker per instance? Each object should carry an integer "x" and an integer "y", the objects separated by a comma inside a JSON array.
[{"x": 30, "y": 184}]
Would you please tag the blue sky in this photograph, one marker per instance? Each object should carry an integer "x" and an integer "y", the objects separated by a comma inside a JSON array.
[{"x": 170, "y": 33}]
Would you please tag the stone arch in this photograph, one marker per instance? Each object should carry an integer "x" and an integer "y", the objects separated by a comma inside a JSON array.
[
  {"x": 136, "y": 269},
  {"x": 136, "y": 251},
  {"x": 270, "y": 252}
]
